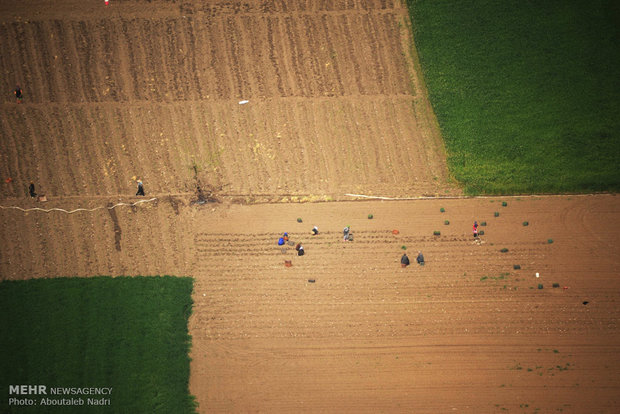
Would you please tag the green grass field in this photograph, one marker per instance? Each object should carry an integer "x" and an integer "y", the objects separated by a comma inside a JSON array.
[
  {"x": 526, "y": 92},
  {"x": 126, "y": 333}
]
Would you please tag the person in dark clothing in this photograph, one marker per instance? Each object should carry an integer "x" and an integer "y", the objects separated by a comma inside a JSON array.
[
  {"x": 31, "y": 190},
  {"x": 18, "y": 94},
  {"x": 315, "y": 230},
  {"x": 300, "y": 249},
  {"x": 404, "y": 260},
  {"x": 420, "y": 259},
  {"x": 140, "y": 189}
]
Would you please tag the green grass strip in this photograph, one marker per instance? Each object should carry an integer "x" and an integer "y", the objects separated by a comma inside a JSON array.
[
  {"x": 526, "y": 92},
  {"x": 128, "y": 333}
]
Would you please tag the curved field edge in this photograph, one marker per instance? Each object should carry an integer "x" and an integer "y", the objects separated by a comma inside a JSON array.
[
  {"x": 125, "y": 333},
  {"x": 525, "y": 93}
]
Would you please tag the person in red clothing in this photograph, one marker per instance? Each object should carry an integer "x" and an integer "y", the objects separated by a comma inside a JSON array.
[{"x": 475, "y": 229}]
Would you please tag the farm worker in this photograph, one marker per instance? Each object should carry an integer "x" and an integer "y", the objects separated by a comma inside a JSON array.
[
  {"x": 140, "y": 189},
  {"x": 18, "y": 94},
  {"x": 475, "y": 229},
  {"x": 285, "y": 237},
  {"x": 315, "y": 230},
  {"x": 300, "y": 249},
  {"x": 280, "y": 241},
  {"x": 346, "y": 232},
  {"x": 31, "y": 190},
  {"x": 420, "y": 259},
  {"x": 404, "y": 261}
]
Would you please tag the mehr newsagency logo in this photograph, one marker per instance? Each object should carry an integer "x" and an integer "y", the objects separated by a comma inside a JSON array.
[{"x": 43, "y": 395}]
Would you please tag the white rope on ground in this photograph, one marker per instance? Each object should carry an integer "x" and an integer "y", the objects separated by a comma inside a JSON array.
[
  {"x": 385, "y": 198},
  {"x": 77, "y": 209}
]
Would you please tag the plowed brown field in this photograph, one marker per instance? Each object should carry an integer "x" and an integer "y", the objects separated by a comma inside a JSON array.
[
  {"x": 151, "y": 89},
  {"x": 116, "y": 92}
]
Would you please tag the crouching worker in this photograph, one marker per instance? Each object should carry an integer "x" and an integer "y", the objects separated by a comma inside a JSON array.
[
  {"x": 300, "y": 249},
  {"x": 420, "y": 259},
  {"x": 315, "y": 230},
  {"x": 404, "y": 261}
]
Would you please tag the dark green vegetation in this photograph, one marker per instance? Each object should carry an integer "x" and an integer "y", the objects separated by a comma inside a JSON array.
[
  {"x": 126, "y": 333},
  {"x": 526, "y": 92}
]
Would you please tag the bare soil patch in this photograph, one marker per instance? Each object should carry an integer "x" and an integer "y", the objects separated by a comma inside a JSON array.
[{"x": 465, "y": 331}]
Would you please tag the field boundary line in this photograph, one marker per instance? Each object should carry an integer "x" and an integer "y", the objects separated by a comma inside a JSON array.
[
  {"x": 471, "y": 197},
  {"x": 77, "y": 209}
]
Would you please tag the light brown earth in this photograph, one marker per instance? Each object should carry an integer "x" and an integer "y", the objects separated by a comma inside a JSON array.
[{"x": 151, "y": 89}]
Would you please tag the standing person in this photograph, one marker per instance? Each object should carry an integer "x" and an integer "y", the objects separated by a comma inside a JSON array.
[
  {"x": 18, "y": 94},
  {"x": 31, "y": 190},
  {"x": 140, "y": 188},
  {"x": 346, "y": 232},
  {"x": 475, "y": 229},
  {"x": 404, "y": 260}
]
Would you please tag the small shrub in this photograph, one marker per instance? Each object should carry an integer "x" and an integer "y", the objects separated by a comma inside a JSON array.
[
  {"x": 446, "y": 222},
  {"x": 504, "y": 250},
  {"x": 549, "y": 241},
  {"x": 436, "y": 233},
  {"x": 525, "y": 223},
  {"x": 443, "y": 210},
  {"x": 540, "y": 286},
  {"x": 299, "y": 220},
  {"x": 504, "y": 204},
  {"x": 516, "y": 267},
  {"x": 496, "y": 214},
  {"x": 556, "y": 285},
  {"x": 484, "y": 223},
  {"x": 370, "y": 217},
  {"x": 403, "y": 247},
  {"x": 481, "y": 232}
]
